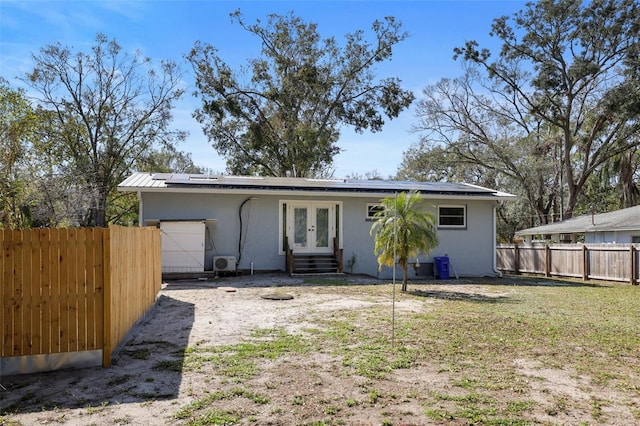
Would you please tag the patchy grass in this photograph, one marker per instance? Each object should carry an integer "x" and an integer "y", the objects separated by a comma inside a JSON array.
[
  {"x": 480, "y": 339},
  {"x": 239, "y": 361},
  {"x": 326, "y": 281},
  {"x": 192, "y": 410},
  {"x": 94, "y": 410},
  {"x": 513, "y": 351}
]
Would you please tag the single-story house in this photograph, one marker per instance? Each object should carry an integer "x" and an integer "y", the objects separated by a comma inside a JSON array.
[
  {"x": 619, "y": 226},
  {"x": 251, "y": 224}
]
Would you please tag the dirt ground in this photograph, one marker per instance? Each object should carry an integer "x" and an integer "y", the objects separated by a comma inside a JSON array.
[{"x": 205, "y": 313}]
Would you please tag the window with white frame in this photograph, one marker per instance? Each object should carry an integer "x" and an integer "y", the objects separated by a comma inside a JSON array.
[
  {"x": 452, "y": 216},
  {"x": 372, "y": 209}
]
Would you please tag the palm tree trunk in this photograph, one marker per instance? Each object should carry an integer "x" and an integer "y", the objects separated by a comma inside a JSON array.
[{"x": 404, "y": 277}]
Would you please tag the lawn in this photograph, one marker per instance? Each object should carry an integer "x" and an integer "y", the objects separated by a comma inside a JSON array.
[{"x": 509, "y": 351}]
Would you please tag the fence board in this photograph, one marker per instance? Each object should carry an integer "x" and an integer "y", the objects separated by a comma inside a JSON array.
[
  {"x": 505, "y": 258},
  {"x": 59, "y": 286},
  {"x": 610, "y": 262},
  {"x": 65, "y": 302},
  {"x": 30, "y": 312},
  {"x": 45, "y": 290},
  {"x": 35, "y": 312},
  {"x": 81, "y": 287},
  {"x": 18, "y": 294},
  {"x": 8, "y": 289},
  {"x": 531, "y": 260},
  {"x": 8, "y": 296},
  {"x": 56, "y": 291},
  {"x": 100, "y": 266},
  {"x": 90, "y": 288},
  {"x": 135, "y": 287},
  {"x": 3, "y": 296}
]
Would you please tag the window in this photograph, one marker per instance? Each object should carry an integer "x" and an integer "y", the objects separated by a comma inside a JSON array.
[
  {"x": 452, "y": 216},
  {"x": 372, "y": 209}
]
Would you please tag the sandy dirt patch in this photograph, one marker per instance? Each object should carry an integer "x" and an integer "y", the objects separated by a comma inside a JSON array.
[{"x": 313, "y": 388}]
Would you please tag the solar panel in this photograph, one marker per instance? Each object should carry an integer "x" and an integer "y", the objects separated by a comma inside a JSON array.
[{"x": 319, "y": 184}]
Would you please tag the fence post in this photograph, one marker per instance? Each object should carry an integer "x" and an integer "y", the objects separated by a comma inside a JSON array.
[
  {"x": 585, "y": 263},
  {"x": 632, "y": 265},
  {"x": 516, "y": 259},
  {"x": 547, "y": 257},
  {"x": 106, "y": 347}
]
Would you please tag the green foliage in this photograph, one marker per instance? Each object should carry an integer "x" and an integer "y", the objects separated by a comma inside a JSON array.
[
  {"x": 613, "y": 186},
  {"x": 556, "y": 104},
  {"x": 18, "y": 123},
  {"x": 286, "y": 118},
  {"x": 169, "y": 160},
  {"x": 403, "y": 231},
  {"x": 105, "y": 111}
]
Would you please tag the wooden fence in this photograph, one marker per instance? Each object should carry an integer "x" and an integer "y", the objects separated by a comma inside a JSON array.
[
  {"x": 73, "y": 290},
  {"x": 610, "y": 262}
]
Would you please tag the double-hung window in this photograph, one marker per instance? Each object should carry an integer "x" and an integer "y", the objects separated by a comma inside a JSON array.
[
  {"x": 372, "y": 209},
  {"x": 452, "y": 216}
]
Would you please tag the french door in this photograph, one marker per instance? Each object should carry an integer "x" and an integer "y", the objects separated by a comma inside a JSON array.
[{"x": 311, "y": 227}]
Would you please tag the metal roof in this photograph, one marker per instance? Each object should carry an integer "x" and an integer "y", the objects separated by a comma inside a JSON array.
[
  {"x": 174, "y": 182},
  {"x": 619, "y": 220}
]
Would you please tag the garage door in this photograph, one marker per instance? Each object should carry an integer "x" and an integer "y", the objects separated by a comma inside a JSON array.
[{"x": 182, "y": 246}]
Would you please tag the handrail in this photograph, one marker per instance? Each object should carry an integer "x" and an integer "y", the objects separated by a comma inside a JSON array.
[
  {"x": 288, "y": 256},
  {"x": 338, "y": 254}
]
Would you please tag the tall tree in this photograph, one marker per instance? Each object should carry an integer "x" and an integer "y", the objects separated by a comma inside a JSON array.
[
  {"x": 108, "y": 109},
  {"x": 565, "y": 84},
  {"x": 433, "y": 162},
  {"x": 403, "y": 230},
  {"x": 284, "y": 117},
  {"x": 18, "y": 123},
  {"x": 168, "y": 159},
  {"x": 482, "y": 138},
  {"x": 615, "y": 185}
]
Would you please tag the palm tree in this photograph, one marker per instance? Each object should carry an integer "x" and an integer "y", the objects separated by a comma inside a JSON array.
[{"x": 403, "y": 231}]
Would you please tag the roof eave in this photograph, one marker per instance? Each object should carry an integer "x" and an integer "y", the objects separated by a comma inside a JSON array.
[{"x": 354, "y": 193}]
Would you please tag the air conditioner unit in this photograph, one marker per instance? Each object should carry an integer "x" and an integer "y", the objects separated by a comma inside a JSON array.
[{"x": 224, "y": 263}]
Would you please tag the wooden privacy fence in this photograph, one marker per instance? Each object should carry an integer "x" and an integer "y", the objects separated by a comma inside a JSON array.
[
  {"x": 610, "y": 262},
  {"x": 73, "y": 290}
]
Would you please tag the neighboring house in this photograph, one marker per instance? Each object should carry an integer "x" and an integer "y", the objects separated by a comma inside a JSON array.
[
  {"x": 256, "y": 223},
  {"x": 620, "y": 226}
]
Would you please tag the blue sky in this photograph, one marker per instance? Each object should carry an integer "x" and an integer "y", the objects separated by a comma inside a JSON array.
[{"x": 164, "y": 29}]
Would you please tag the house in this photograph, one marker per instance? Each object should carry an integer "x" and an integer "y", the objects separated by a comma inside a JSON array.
[
  {"x": 251, "y": 224},
  {"x": 620, "y": 226}
]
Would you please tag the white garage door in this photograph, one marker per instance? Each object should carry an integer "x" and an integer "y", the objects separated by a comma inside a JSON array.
[{"x": 182, "y": 246}]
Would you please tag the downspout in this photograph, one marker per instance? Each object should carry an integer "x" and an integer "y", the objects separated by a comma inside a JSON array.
[
  {"x": 495, "y": 237},
  {"x": 140, "y": 212}
]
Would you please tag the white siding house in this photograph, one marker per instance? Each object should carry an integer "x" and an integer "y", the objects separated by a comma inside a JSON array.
[{"x": 619, "y": 226}]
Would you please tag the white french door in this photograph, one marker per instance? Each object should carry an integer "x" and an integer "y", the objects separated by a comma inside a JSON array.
[{"x": 311, "y": 227}]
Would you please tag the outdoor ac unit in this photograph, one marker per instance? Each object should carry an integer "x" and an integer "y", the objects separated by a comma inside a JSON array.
[{"x": 224, "y": 263}]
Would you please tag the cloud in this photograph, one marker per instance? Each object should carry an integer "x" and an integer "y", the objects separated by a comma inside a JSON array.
[{"x": 132, "y": 10}]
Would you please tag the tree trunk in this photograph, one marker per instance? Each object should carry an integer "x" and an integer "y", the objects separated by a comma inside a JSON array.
[
  {"x": 404, "y": 277},
  {"x": 100, "y": 219}
]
